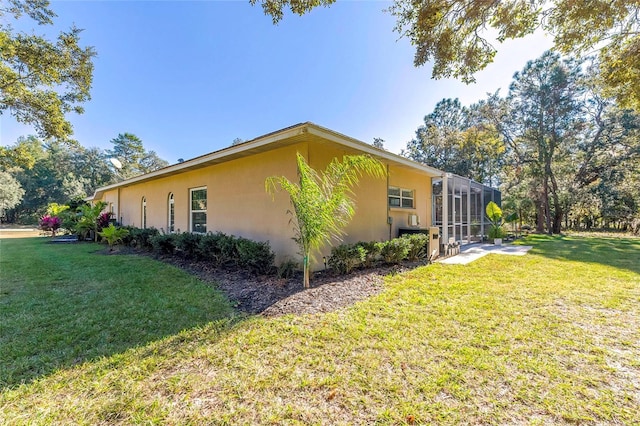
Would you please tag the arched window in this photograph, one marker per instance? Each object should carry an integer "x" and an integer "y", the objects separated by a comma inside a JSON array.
[
  {"x": 171, "y": 219},
  {"x": 144, "y": 212}
]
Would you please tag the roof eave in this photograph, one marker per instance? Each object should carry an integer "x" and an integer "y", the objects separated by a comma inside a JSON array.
[{"x": 261, "y": 141}]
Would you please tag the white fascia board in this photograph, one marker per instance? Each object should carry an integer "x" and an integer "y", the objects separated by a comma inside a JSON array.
[
  {"x": 204, "y": 159},
  {"x": 261, "y": 141}
]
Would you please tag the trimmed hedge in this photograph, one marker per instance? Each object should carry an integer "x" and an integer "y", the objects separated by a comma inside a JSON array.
[
  {"x": 346, "y": 257},
  {"x": 139, "y": 238},
  {"x": 395, "y": 251},
  {"x": 418, "y": 246},
  {"x": 222, "y": 250},
  {"x": 164, "y": 244}
]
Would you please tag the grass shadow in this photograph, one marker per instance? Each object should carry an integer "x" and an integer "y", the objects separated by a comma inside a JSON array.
[
  {"x": 617, "y": 252},
  {"x": 63, "y": 305}
]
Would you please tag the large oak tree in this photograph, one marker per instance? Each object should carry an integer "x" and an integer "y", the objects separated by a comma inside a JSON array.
[
  {"x": 42, "y": 80},
  {"x": 458, "y": 35}
]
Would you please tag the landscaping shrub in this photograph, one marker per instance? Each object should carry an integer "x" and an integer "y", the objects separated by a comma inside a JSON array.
[
  {"x": 345, "y": 257},
  {"x": 372, "y": 250},
  {"x": 394, "y": 251},
  {"x": 255, "y": 256},
  {"x": 418, "y": 246},
  {"x": 50, "y": 223},
  {"x": 103, "y": 220},
  {"x": 141, "y": 238},
  {"x": 218, "y": 248},
  {"x": 229, "y": 251},
  {"x": 127, "y": 240},
  {"x": 164, "y": 243},
  {"x": 188, "y": 243},
  {"x": 138, "y": 237},
  {"x": 113, "y": 235},
  {"x": 287, "y": 269}
]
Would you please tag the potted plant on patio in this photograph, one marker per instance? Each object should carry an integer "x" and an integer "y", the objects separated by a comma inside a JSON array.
[{"x": 496, "y": 232}]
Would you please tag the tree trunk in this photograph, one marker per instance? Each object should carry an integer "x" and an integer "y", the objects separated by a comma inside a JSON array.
[
  {"x": 558, "y": 211},
  {"x": 305, "y": 271},
  {"x": 547, "y": 217},
  {"x": 540, "y": 217}
]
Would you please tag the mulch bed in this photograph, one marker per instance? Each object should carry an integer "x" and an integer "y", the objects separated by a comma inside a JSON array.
[{"x": 273, "y": 296}]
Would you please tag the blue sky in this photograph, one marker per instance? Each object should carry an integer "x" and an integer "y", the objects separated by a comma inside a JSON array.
[{"x": 189, "y": 77}]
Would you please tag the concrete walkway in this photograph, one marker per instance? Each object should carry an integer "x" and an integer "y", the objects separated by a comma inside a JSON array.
[
  {"x": 472, "y": 252},
  {"x": 15, "y": 231}
]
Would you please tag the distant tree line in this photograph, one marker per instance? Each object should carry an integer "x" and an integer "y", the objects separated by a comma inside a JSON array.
[
  {"x": 564, "y": 153},
  {"x": 35, "y": 172}
]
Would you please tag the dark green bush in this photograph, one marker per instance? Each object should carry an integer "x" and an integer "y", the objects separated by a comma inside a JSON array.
[
  {"x": 288, "y": 269},
  {"x": 138, "y": 237},
  {"x": 220, "y": 249},
  {"x": 394, "y": 251},
  {"x": 255, "y": 256},
  {"x": 217, "y": 248},
  {"x": 164, "y": 243},
  {"x": 188, "y": 244},
  {"x": 418, "y": 246},
  {"x": 128, "y": 239},
  {"x": 345, "y": 257},
  {"x": 372, "y": 253}
]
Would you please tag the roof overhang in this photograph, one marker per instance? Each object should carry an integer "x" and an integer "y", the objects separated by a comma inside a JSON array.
[{"x": 303, "y": 132}]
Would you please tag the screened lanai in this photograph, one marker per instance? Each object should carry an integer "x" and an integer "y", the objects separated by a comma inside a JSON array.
[{"x": 458, "y": 208}]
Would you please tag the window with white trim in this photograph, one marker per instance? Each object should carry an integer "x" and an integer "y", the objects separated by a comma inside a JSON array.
[
  {"x": 400, "y": 197},
  {"x": 171, "y": 219},
  {"x": 198, "y": 210}
]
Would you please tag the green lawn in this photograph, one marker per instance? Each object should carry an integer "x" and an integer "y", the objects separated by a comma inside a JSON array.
[
  {"x": 551, "y": 337},
  {"x": 62, "y": 305}
]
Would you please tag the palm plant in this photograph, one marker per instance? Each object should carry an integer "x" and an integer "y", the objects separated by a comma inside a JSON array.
[
  {"x": 113, "y": 235},
  {"x": 322, "y": 202},
  {"x": 494, "y": 213},
  {"x": 88, "y": 219}
]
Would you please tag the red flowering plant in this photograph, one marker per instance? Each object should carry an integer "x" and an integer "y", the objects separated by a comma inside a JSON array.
[
  {"x": 103, "y": 220},
  {"x": 50, "y": 223}
]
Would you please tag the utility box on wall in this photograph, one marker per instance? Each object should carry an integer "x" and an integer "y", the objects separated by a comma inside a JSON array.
[{"x": 434, "y": 240}]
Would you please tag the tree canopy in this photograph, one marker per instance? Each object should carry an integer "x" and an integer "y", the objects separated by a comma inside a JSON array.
[
  {"x": 135, "y": 160},
  {"x": 457, "y": 35},
  {"x": 564, "y": 153},
  {"x": 454, "y": 138},
  {"x": 10, "y": 192},
  {"x": 52, "y": 171},
  {"x": 42, "y": 80}
]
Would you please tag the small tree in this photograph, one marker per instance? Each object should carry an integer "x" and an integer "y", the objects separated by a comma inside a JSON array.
[{"x": 322, "y": 202}]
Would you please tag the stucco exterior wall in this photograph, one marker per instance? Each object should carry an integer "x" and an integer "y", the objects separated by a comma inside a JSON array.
[
  {"x": 420, "y": 184},
  {"x": 238, "y": 204},
  {"x": 111, "y": 198}
]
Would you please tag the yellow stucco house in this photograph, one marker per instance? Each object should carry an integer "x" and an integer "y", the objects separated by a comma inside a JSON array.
[{"x": 225, "y": 191}]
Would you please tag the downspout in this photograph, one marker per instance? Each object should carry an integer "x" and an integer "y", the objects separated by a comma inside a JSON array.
[
  {"x": 119, "y": 210},
  {"x": 386, "y": 200}
]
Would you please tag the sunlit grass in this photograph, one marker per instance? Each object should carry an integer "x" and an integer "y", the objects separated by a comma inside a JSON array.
[
  {"x": 62, "y": 305},
  {"x": 551, "y": 337}
]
